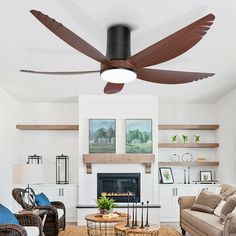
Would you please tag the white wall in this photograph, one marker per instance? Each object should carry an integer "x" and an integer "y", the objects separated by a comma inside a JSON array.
[
  {"x": 16, "y": 145},
  {"x": 119, "y": 108},
  {"x": 9, "y": 108},
  {"x": 226, "y": 112},
  {"x": 49, "y": 144},
  {"x": 187, "y": 113}
]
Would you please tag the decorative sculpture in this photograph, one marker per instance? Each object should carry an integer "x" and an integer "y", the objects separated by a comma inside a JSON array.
[
  {"x": 147, "y": 224},
  {"x": 142, "y": 227}
]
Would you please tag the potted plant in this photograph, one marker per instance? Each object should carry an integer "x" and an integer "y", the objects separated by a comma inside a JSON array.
[
  {"x": 197, "y": 138},
  {"x": 105, "y": 205},
  {"x": 185, "y": 138},
  {"x": 174, "y": 138}
]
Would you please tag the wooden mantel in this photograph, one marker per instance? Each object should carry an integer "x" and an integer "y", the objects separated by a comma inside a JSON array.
[{"x": 146, "y": 159}]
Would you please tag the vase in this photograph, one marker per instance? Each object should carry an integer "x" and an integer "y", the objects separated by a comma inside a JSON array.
[{"x": 104, "y": 211}]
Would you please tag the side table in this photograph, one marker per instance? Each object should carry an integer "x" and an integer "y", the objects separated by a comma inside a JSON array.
[
  {"x": 41, "y": 213},
  {"x": 98, "y": 225},
  {"x": 122, "y": 230}
]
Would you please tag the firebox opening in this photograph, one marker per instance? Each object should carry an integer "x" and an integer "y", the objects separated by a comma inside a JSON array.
[{"x": 119, "y": 186}]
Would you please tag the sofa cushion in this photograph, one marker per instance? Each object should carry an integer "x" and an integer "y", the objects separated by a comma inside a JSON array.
[
  {"x": 6, "y": 216},
  {"x": 227, "y": 208},
  {"x": 206, "y": 201},
  {"x": 42, "y": 200},
  {"x": 207, "y": 223},
  {"x": 227, "y": 191},
  {"x": 31, "y": 230},
  {"x": 60, "y": 213},
  {"x": 218, "y": 209}
]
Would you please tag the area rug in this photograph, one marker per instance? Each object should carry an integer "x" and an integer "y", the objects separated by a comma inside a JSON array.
[{"x": 82, "y": 231}]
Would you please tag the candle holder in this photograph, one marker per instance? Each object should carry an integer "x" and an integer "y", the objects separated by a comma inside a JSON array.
[
  {"x": 136, "y": 214},
  {"x": 35, "y": 159},
  {"x": 142, "y": 227},
  {"x": 147, "y": 224},
  {"x": 62, "y": 169},
  {"x": 132, "y": 226},
  {"x": 127, "y": 224}
]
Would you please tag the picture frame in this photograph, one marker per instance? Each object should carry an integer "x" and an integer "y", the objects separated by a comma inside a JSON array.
[
  {"x": 102, "y": 136},
  {"x": 138, "y": 134},
  {"x": 206, "y": 176},
  {"x": 166, "y": 175}
]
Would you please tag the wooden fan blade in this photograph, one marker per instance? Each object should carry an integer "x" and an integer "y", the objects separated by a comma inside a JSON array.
[
  {"x": 170, "y": 77},
  {"x": 61, "y": 72},
  {"x": 69, "y": 37},
  {"x": 173, "y": 45},
  {"x": 111, "y": 88}
]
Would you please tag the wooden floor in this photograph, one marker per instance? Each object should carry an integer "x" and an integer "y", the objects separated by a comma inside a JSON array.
[{"x": 82, "y": 231}]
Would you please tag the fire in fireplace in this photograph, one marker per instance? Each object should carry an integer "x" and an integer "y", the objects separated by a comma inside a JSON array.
[{"x": 119, "y": 186}]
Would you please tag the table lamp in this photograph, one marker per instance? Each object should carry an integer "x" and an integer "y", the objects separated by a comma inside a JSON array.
[{"x": 26, "y": 174}]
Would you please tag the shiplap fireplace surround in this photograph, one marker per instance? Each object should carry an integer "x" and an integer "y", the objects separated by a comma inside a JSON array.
[
  {"x": 119, "y": 108},
  {"x": 143, "y": 164}
]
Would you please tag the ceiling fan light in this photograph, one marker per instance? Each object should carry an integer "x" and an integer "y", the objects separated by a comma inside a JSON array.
[{"x": 118, "y": 76}]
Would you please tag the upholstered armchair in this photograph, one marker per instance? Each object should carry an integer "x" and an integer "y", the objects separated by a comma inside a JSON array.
[
  {"x": 56, "y": 213},
  {"x": 29, "y": 225}
]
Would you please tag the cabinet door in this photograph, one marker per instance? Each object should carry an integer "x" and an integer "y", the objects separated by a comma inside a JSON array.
[
  {"x": 178, "y": 192},
  {"x": 195, "y": 190},
  {"x": 69, "y": 198},
  {"x": 166, "y": 201},
  {"x": 54, "y": 193}
]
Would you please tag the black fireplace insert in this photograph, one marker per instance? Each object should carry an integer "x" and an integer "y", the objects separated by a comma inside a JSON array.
[{"x": 119, "y": 185}]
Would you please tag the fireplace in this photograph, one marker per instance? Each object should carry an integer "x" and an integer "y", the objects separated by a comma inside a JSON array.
[{"x": 119, "y": 185}]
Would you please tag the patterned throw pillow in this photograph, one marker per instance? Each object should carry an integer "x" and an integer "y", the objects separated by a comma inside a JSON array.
[
  {"x": 227, "y": 208},
  {"x": 206, "y": 201}
]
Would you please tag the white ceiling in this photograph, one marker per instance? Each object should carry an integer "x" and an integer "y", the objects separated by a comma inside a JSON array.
[{"x": 26, "y": 44}]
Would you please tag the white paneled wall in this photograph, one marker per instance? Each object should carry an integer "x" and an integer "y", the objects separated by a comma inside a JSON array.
[
  {"x": 50, "y": 143},
  {"x": 9, "y": 109},
  {"x": 188, "y": 113},
  {"x": 119, "y": 108}
]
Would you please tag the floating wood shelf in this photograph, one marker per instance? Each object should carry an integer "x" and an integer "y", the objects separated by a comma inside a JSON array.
[
  {"x": 188, "y": 145},
  {"x": 146, "y": 159},
  {"x": 194, "y": 163},
  {"x": 188, "y": 127},
  {"x": 47, "y": 127}
]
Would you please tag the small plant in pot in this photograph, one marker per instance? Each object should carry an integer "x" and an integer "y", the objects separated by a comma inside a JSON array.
[{"x": 105, "y": 204}]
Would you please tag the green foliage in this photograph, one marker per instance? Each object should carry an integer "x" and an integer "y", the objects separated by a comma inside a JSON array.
[
  {"x": 185, "y": 138},
  {"x": 174, "y": 138},
  {"x": 197, "y": 138},
  {"x": 166, "y": 175},
  {"x": 139, "y": 148},
  {"x": 136, "y": 134},
  {"x": 105, "y": 203},
  {"x": 104, "y": 133},
  {"x": 102, "y": 148}
]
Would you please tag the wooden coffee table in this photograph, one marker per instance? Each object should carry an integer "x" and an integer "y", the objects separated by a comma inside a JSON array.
[
  {"x": 122, "y": 230},
  {"x": 98, "y": 225}
]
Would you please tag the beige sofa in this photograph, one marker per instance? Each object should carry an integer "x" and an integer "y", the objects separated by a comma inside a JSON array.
[{"x": 203, "y": 224}]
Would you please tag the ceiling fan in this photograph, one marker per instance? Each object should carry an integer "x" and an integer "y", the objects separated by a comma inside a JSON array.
[{"x": 119, "y": 67}]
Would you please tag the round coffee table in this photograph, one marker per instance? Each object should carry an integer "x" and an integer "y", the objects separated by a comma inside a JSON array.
[
  {"x": 122, "y": 230},
  {"x": 97, "y": 225}
]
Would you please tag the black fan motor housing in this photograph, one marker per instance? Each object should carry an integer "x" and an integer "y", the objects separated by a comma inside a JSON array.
[{"x": 118, "y": 42}]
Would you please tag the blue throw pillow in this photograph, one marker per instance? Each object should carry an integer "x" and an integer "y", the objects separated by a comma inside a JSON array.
[
  {"x": 42, "y": 200},
  {"x": 6, "y": 216}
]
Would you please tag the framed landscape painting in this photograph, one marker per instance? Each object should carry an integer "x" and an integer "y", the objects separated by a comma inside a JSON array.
[
  {"x": 102, "y": 136},
  {"x": 139, "y": 136}
]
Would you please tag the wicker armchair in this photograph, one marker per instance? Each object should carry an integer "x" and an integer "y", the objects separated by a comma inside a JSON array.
[
  {"x": 52, "y": 224},
  {"x": 19, "y": 230}
]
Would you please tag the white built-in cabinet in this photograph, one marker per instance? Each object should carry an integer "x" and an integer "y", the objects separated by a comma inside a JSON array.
[
  {"x": 169, "y": 195},
  {"x": 66, "y": 193}
]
